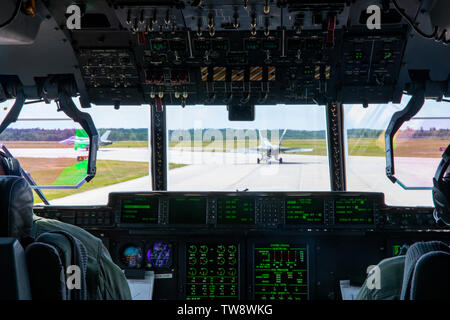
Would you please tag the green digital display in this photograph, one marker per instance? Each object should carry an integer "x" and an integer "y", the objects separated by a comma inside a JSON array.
[
  {"x": 308, "y": 71},
  {"x": 280, "y": 272},
  {"x": 178, "y": 45},
  {"x": 251, "y": 45},
  {"x": 212, "y": 271},
  {"x": 187, "y": 210},
  {"x": 202, "y": 45},
  {"x": 220, "y": 45},
  {"x": 314, "y": 44},
  {"x": 235, "y": 211},
  {"x": 304, "y": 211},
  {"x": 271, "y": 44},
  {"x": 237, "y": 58},
  {"x": 139, "y": 210},
  {"x": 387, "y": 54},
  {"x": 159, "y": 45},
  {"x": 358, "y": 55},
  {"x": 353, "y": 211}
]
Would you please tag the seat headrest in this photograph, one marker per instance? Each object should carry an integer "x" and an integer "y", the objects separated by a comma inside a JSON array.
[
  {"x": 16, "y": 207},
  {"x": 10, "y": 165}
]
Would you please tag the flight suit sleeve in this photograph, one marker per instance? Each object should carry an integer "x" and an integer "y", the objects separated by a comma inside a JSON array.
[
  {"x": 115, "y": 284},
  {"x": 106, "y": 281},
  {"x": 390, "y": 281}
]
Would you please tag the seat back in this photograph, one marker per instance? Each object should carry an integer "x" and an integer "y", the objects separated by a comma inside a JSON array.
[
  {"x": 49, "y": 259},
  {"x": 14, "y": 279},
  {"x": 41, "y": 269},
  {"x": 16, "y": 207},
  {"x": 431, "y": 278},
  {"x": 415, "y": 253}
]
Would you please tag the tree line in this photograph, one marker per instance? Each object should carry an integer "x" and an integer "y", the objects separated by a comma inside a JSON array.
[{"x": 141, "y": 134}]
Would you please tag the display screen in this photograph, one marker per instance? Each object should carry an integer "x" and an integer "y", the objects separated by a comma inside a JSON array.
[
  {"x": 139, "y": 210},
  {"x": 353, "y": 211},
  {"x": 159, "y": 45},
  {"x": 159, "y": 255},
  {"x": 220, "y": 45},
  {"x": 201, "y": 45},
  {"x": 235, "y": 211},
  {"x": 304, "y": 211},
  {"x": 270, "y": 44},
  {"x": 178, "y": 45},
  {"x": 212, "y": 271},
  {"x": 237, "y": 58},
  {"x": 251, "y": 44},
  {"x": 280, "y": 272},
  {"x": 131, "y": 256},
  {"x": 187, "y": 210}
]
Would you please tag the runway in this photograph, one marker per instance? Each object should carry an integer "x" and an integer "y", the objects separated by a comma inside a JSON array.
[{"x": 217, "y": 171}]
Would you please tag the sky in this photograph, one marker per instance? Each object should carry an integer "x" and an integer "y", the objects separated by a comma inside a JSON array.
[{"x": 296, "y": 117}]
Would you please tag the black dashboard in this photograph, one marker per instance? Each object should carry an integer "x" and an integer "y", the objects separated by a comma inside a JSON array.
[{"x": 250, "y": 245}]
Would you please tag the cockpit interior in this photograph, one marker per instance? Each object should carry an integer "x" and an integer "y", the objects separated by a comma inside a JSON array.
[{"x": 264, "y": 150}]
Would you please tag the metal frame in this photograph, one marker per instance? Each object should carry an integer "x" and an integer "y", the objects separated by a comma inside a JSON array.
[
  {"x": 336, "y": 154},
  {"x": 412, "y": 108},
  {"x": 158, "y": 141},
  {"x": 65, "y": 104}
]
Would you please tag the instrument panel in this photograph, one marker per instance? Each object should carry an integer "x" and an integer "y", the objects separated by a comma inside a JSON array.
[
  {"x": 248, "y": 210},
  {"x": 267, "y": 246},
  {"x": 279, "y": 210},
  {"x": 237, "y": 53}
]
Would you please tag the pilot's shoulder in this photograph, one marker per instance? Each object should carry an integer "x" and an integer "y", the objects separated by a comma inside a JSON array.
[{"x": 42, "y": 225}]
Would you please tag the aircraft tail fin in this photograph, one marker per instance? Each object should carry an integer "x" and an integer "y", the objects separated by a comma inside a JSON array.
[
  {"x": 282, "y": 136},
  {"x": 81, "y": 139},
  {"x": 261, "y": 138},
  {"x": 105, "y": 135}
]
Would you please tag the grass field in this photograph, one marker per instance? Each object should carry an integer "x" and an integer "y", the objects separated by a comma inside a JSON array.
[
  {"x": 421, "y": 147},
  {"x": 127, "y": 144},
  {"x": 319, "y": 146},
  {"x": 46, "y": 171},
  {"x": 35, "y": 144},
  {"x": 373, "y": 147},
  {"x": 176, "y": 165},
  {"x": 109, "y": 172}
]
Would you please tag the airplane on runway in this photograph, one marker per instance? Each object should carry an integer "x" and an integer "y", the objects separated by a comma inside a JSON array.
[
  {"x": 81, "y": 140},
  {"x": 267, "y": 150}
]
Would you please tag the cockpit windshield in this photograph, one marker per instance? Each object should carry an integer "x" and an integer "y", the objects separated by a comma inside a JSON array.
[
  {"x": 418, "y": 146},
  {"x": 284, "y": 149},
  {"x": 53, "y": 149}
]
